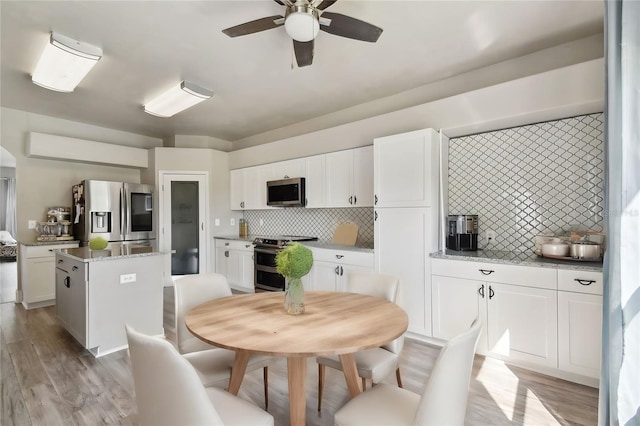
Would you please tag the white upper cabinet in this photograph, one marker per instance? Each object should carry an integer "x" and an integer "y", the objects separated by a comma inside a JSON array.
[
  {"x": 236, "y": 178},
  {"x": 337, "y": 179},
  {"x": 288, "y": 169},
  {"x": 350, "y": 178},
  {"x": 406, "y": 169},
  {"x": 315, "y": 181}
]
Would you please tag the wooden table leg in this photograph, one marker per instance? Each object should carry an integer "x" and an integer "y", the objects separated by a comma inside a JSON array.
[
  {"x": 237, "y": 371},
  {"x": 297, "y": 375},
  {"x": 350, "y": 371}
]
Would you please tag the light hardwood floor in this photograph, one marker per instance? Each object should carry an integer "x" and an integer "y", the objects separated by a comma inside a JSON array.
[{"x": 47, "y": 378}]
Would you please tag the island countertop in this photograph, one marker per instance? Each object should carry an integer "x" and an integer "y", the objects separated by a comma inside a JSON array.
[
  {"x": 516, "y": 258},
  {"x": 85, "y": 254}
]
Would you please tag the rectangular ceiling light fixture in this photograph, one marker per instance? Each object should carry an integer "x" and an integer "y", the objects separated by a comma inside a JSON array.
[
  {"x": 64, "y": 63},
  {"x": 177, "y": 99}
]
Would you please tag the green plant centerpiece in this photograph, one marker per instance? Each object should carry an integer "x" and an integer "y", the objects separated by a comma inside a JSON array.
[{"x": 294, "y": 262}]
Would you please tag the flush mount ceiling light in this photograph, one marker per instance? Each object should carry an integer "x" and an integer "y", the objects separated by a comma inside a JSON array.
[
  {"x": 301, "y": 22},
  {"x": 64, "y": 63},
  {"x": 177, "y": 99}
]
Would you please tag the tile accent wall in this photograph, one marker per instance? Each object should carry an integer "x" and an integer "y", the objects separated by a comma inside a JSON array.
[
  {"x": 526, "y": 180},
  {"x": 319, "y": 223}
]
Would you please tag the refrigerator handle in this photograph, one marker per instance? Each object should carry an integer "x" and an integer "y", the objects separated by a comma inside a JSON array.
[{"x": 123, "y": 212}]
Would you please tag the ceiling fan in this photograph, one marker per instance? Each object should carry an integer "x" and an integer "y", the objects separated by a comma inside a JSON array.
[{"x": 302, "y": 21}]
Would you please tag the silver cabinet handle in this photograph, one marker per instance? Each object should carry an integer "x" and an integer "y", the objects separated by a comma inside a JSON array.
[
  {"x": 486, "y": 271},
  {"x": 247, "y": 245},
  {"x": 341, "y": 271},
  {"x": 60, "y": 261},
  {"x": 481, "y": 291},
  {"x": 226, "y": 253},
  {"x": 491, "y": 293},
  {"x": 75, "y": 268},
  {"x": 337, "y": 270},
  {"x": 584, "y": 282},
  {"x": 339, "y": 256}
]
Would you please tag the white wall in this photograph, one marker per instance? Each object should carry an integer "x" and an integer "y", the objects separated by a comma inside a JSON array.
[
  {"x": 41, "y": 183},
  {"x": 568, "y": 91}
]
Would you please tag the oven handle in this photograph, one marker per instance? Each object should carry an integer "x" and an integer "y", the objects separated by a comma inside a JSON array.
[{"x": 266, "y": 250}]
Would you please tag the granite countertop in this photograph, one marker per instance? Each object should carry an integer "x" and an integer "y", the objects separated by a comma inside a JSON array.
[
  {"x": 48, "y": 243},
  {"x": 326, "y": 245},
  {"x": 85, "y": 254},
  {"x": 517, "y": 258},
  {"x": 367, "y": 248}
]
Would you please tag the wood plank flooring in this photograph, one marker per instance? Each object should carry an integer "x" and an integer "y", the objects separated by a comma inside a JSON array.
[{"x": 49, "y": 379}]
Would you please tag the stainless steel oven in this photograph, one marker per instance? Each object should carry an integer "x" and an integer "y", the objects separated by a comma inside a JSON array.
[{"x": 266, "y": 278}]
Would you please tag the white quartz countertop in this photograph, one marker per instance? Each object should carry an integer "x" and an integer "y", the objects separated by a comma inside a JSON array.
[
  {"x": 517, "y": 258},
  {"x": 48, "y": 243},
  {"x": 85, "y": 254}
]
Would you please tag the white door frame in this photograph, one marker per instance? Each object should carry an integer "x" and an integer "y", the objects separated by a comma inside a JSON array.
[{"x": 164, "y": 215}]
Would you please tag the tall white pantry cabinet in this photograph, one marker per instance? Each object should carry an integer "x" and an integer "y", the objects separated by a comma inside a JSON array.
[{"x": 406, "y": 213}]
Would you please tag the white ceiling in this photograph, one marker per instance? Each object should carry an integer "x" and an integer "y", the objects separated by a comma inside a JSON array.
[{"x": 151, "y": 45}]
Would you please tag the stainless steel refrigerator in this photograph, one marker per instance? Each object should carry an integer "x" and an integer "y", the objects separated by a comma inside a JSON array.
[{"x": 117, "y": 211}]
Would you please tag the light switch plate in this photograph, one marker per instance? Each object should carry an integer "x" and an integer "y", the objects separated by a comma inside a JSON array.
[
  {"x": 32, "y": 224},
  {"x": 127, "y": 278},
  {"x": 217, "y": 222},
  {"x": 233, "y": 222}
]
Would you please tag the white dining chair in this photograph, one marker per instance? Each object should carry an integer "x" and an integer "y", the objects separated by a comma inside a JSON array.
[
  {"x": 169, "y": 391},
  {"x": 377, "y": 363},
  {"x": 212, "y": 364},
  {"x": 443, "y": 401}
]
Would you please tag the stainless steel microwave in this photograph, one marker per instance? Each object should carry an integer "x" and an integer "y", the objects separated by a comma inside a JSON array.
[{"x": 286, "y": 192}]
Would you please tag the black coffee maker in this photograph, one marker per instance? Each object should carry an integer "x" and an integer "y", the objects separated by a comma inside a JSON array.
[{"x": 462, "y": 232}]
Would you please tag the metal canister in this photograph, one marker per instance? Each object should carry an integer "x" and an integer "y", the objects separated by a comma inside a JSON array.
[{"x": 243, "y": 227}]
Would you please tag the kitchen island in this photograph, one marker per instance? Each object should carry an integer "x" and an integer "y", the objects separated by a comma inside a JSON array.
[{"x": 99, "y": 291}]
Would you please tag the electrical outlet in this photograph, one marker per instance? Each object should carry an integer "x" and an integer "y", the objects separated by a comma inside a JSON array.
[
  {"x": 261, "y": 222},
  {"x": 217, "y": 222},
  {"x": 490, "y": 237},
  {"x": 233, "y": 222},
  {"x": 127, "y": 278},
  {"x": 32, "y": 224}
]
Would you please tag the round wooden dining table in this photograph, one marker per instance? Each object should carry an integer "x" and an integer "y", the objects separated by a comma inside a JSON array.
[{"x": 334, "y": 323}]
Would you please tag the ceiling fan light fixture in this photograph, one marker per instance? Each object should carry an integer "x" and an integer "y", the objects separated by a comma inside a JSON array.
[
  {"x": 302, "y": 23},
  {"x": 64, "y": 63},
  {"x": 177, "y": 99}
]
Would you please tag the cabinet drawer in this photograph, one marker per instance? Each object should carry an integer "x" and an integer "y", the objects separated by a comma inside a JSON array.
[
  {"x": 45, "y": 250},
  {"x": 344, "y": 257},
  {"x": 580, "y": 281},
  {"x": 234, "y": 244},
  {"x": 495, "y": 272}
]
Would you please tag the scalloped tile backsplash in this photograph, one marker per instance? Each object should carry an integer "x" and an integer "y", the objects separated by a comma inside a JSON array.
[{"x": 525, "y": 180}]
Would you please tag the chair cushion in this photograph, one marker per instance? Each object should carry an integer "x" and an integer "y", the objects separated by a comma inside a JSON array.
[
  {"x": 372, "y": 407},
  {"x": 213, "y": 365},
  {"x": 374, "y": 364},
  {"x": 236, "y": 411}
]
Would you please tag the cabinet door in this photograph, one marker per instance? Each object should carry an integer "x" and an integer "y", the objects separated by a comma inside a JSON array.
[
  {"x": 41, "y": 284},
  {"x": 363, "y": 177},
  {"x": 324, "y": 276},
  {"x": 403, "y": 175},
  {"x": 236, "y": 178},
  {"x": 288, "y": 169},
  {"x": 522, "y": 324},
  {"x": 579, "y": 333},
  {"x": 402, "y": 240},
  {"x": 455, "y": 304},
  {"x": 78, "y": 312},
  {"x": 221, "y": 261},
  {"x": 247, "y": 269},
  {"x": 339, "y": 190},
  {"x": 344, "y": 274},
  {"x": 315, "y": 181},
  {"x": 234, "y": 267},
  {"x": 63, "y": 297},
  {"x": 254, "y": 188}
]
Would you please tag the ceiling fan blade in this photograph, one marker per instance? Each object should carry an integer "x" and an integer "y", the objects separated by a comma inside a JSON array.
[
  {"x": 346, "y": 26},
  {"x": 325, "y": 4},
  {"x": 304, "y": 52},
  {"x": 251, "y": 27}
]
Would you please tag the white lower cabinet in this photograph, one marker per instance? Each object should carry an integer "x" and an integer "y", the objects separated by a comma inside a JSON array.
[
  {"x": 37, "y": 273},
  {"x": 580, "y": 322},
  {"x": 544, "y": 317},
  {"x": 331, "y": 268},
  {"x": 520, "y": 320},
  {"x": 404, "y": 239},
  {"x": 234, "y": 260}
]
